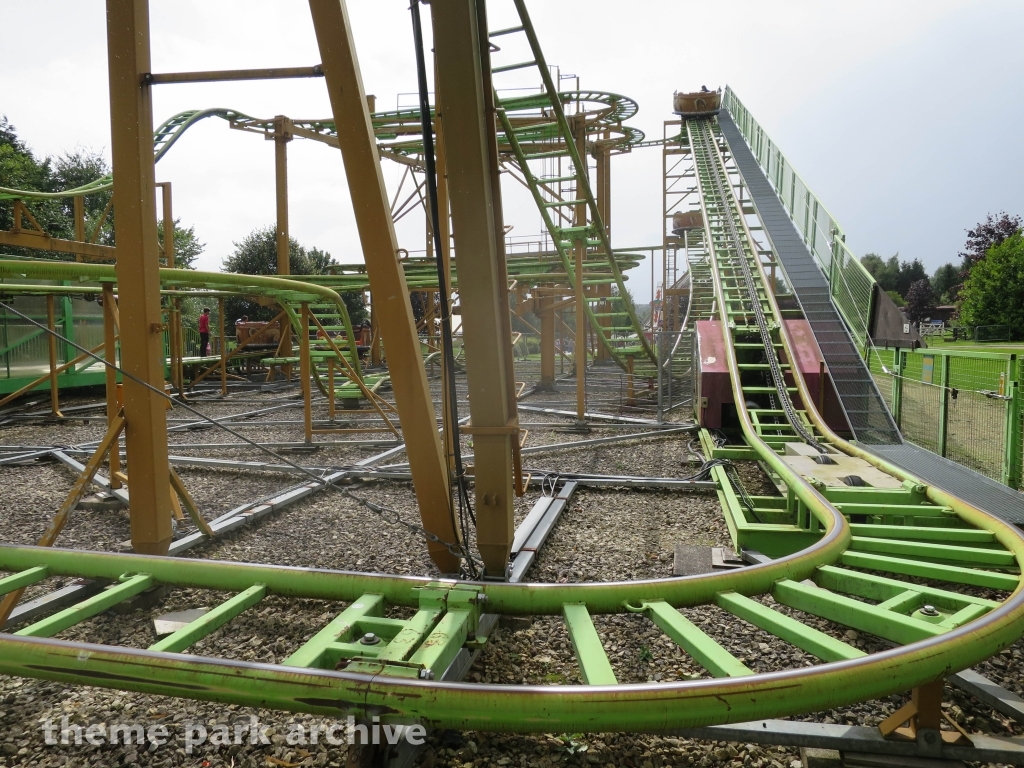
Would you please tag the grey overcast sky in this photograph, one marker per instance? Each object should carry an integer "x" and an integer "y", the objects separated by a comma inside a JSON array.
[{"x": 904, "y": 116}]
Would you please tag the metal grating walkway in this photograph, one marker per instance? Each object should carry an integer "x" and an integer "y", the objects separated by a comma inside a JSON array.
[
  {"x": 983, "y": 492},
  {"x": 865, "y": 409}
]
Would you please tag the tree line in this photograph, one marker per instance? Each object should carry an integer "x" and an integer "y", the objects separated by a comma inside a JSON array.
[
  {"x": 254, "y": 254},
  {"x": 987, "y": 287}
]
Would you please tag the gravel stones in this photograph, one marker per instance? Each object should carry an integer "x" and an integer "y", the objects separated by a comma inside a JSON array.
[{"x": 605, "y": 534}]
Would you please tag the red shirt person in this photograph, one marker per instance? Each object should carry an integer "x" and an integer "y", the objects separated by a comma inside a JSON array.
[{"x": 204, "y": 332}]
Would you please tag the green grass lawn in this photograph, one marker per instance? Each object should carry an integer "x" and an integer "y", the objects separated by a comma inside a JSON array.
[{"x": 973, "y": 346}]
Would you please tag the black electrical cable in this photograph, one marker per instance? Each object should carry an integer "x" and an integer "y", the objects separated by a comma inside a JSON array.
[{"x": 442, "y": 278}]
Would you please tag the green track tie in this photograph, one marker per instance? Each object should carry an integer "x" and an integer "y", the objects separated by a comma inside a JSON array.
[
  {"x": 806, "y": 638},
  {"x": 23, "y": 579},
  {"x": 949, "y": 573},
  {"x": 918, "y": 533},
  {"x": 963, "y": 555},
  {"x": 340, "y": 628},
  {"x": 209, "y": 622},
  {"x": 853, "y": 613},
  {"x": 595, "y": 668},
  {"x": 704, "y": 649},
  {"x": 105, "y": 600}
]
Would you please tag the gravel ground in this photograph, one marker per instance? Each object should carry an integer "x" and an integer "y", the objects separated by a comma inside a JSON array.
[{"x": 606, "y": 534}]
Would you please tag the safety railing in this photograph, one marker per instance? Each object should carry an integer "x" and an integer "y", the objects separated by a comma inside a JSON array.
[
  {"x": 959, "y": 404},
  {"x": 851, "y": 283}
]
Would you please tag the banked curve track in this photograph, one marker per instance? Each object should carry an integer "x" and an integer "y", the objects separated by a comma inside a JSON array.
[{"x": 874, "y": 574}]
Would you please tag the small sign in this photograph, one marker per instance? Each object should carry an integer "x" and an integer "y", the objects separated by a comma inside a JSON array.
[
  {"x": 906, "y": 327},
  {"x": 927, "y": 368}
]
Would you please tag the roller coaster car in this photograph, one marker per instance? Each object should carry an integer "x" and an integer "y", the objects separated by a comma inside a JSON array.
[
  {"x": 699, "y": 104},
  {"x": 245, "y": 330},
  {"x": 684, "y": 221}
]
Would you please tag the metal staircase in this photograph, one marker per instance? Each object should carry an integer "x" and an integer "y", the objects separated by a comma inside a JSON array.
[{"x": 562, "y": 215}]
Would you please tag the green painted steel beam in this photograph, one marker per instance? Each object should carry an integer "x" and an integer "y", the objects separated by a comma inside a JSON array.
[
  {"x": 23, "y": 579},
  {"x": 595, "y": 668},
  {"x": 340, "y": 628},
  {"x": 105, "y": 600},
  {"x": 853, "y": 613},
  {"x": 967, "y": 556},
  {"x": 921, "y": 533},
  {"x": 443, "y": 644},
  {"x": 880, "y": 588},
  {"x": 704, "y": 649},
  {"x": 209, "y": 622},
  {"x": 792, "y": 631},
  {"x": 950, "y": 573}
]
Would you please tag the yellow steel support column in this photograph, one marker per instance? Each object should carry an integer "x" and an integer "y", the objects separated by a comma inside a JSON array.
[
  {"x": 547, "y": 341},
  {"x": 110, "y": 331},
  {"x": 376, "y": 357},
  {"x": 79, "y": 203},
  {"x": 51, "y": 324},
  {"x": 305, "y": 372},
  {"x": 138, "y": 264},
  {"x": 174, "y": 333},
  {"x": 464, "y": 76},
  {"x": 168, "y": 219},
  {"x": 392, "y": 309},
  {"x": 445, "y": 232},
  {"x": 222, "y": 339},
  {"x": 603, "y": 156},
  {"x": 580, "y": 252},
  {"x": 282, "y": 135}
]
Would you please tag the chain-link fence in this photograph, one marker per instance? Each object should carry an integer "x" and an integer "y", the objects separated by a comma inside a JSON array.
[
  {"x": 961, "y": 405},
  {"x": 651, "y": 390},
  {"x": 676, "y": 368}
]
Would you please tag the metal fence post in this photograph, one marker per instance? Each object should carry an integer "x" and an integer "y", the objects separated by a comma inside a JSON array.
[
  {"x": 658, "y": 339},
  {"x": 943, "y": 403},
  {"x": 897, "y": 387},
  {"x": 1012, "y": 459}
]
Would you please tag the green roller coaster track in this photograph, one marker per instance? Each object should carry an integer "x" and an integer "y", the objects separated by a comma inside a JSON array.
[{"x": 899, "y": 560}]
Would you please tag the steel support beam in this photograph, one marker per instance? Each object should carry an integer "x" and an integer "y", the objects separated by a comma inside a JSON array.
[
  {"x": 603, "y": 156},
  {"x": 547, "y": 343},
  {"x": 138, "y": 265},
  {"x": 281, "y": 136},
  {"x": 464, "y": 76},
  {"x": 392, "y": 308},
  {"x": 580, "y": 253}
]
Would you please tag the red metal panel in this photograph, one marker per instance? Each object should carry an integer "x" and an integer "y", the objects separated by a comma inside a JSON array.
[
  {"x": 808, "y": 362},
  {"x": 713, "y": 387}
]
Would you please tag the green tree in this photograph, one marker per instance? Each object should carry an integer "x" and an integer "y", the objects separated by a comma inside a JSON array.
[
  {"x": 993, "y": 293},
  {"x": 945, "y": 282},
  {"x": 355, "y": 303},
  {"x": 21, "y": 169},
  {"x": 910, "y": 272},
  {"x": 256, "y": 254},
  {"x": 992, "y": 231},
  {"x": 920, "y": 301},
  {"x": 885, "y": 271},
  {"x": 73, "y": 169},
  {"x": 187, "y": 247},
  {"x": 896, "y": 298}
]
